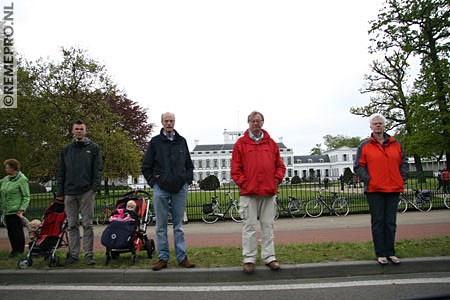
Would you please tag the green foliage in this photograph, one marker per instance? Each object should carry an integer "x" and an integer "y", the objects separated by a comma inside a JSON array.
[
  {"x": 316, "y": 150},
  {"x": 348, "y": 175},
  {"x": 51, "y": 95},
  {"x": 415, "y": 102},
  {"x": 296, "y": 180},
  {"x": 210, "y": 183},
  {"x": 334, "y": 142}
]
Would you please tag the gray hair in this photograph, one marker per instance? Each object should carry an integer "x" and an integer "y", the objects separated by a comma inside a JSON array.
[
  {"x": 377, "y": 116},
  {"x": 253, "y": 113}
]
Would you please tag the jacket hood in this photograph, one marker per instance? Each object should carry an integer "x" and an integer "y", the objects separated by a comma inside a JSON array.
[{"x": 86, "y": 142}]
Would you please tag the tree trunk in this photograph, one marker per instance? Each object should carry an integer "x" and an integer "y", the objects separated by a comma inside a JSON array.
[{"x": 419, "y": 169}]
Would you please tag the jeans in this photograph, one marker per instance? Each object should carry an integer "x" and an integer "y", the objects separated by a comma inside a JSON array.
[
  {"x": 175, "y": 203},
  {"x": 251, "y": 208},
  {"x": 383, "y": 212},
  {"x": 80, "y": 204}
]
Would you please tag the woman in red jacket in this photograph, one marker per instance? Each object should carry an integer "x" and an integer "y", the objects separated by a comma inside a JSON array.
[{"x": 382, "y": 164}]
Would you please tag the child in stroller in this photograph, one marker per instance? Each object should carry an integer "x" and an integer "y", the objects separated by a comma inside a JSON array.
[
  {"x": 127, "y": 214},
  {"x": 127, "y": 230},
  {"x": 48, "y": 237}
]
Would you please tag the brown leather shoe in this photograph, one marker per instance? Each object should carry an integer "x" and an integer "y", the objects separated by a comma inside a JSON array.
[
  {"x": 160, "y": 264},
  {"x": 186, "y": 263},
  {"x": 273, "y": 265},
  {"x": 249, "y": 268}
]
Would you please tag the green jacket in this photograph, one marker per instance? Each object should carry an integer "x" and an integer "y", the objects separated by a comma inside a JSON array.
[{"x": 14, "y": 194}]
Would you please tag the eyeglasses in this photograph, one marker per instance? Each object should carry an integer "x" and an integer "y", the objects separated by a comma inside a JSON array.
[{"x": 256, "y": 121}]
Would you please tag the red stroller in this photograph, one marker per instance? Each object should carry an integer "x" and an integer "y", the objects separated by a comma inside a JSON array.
[{"x": 50, "y": 236}]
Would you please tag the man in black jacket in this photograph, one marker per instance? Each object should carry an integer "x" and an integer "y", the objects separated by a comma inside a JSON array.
[
  {"x": 78, "y": 178},
  {"x": 168, "y": 169}
]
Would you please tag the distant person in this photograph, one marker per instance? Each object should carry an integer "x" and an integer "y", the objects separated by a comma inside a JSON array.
[
  {"x": 439, "y": 177},
  {"x": 15, "y": 198},
  {"x": 169, "y": 170},
  {"x": 257, "y": 168},
  {"x": 445, "y": 181},
  {"x": 382, "y": 164},
  {"x": 341, "y": 180},
  {"x": 326, "y": 182},
  {"x": 78, "y": 179}
]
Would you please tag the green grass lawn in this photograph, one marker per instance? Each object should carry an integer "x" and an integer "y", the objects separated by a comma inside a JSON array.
[{"x": 213, "y": 257}]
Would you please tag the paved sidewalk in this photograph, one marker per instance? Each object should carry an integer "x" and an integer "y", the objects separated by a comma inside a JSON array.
[{"x": 227, "y": 233}]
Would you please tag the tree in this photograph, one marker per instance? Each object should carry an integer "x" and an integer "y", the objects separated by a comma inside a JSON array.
[
  {"x": 316, "y": 150},
  {"x": 53, "y": 95},
  {"x": 210, "y": 183},
  {"x": 333, "y": 142},
  {"x": 416, "y": 105}
]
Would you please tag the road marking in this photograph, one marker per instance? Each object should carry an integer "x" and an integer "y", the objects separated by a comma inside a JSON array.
[{"x": 217, "y": 288}]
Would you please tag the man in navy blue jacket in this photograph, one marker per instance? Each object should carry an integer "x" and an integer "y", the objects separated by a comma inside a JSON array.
[{"x": 168, "y": 169}]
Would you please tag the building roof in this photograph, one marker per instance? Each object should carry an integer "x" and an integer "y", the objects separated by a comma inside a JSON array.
[
  {"x": 311, "y": 158},
  {"x": 220, "y": 147}
]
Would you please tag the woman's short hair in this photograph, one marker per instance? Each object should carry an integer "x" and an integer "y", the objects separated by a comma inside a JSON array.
[{"x": 12, "y": 163}]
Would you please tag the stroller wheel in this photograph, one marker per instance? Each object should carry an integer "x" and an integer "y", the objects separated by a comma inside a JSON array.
[
  {"x": 25, "y": 263},
  {"x": 150, "y": 247},
  {"x": 53, "y": 261},
  {"x": 133, "y": 258}
]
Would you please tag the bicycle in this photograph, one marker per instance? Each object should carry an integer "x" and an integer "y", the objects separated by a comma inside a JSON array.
[
  {"x": 339, "y": 206},
  {"x": 295, "y": 208},
  {"x": 421, "y": 202},
  {"x": 211, "y": 212},
  {"x": 447, "y": 200},
  {"x": 103, "y": 217}
]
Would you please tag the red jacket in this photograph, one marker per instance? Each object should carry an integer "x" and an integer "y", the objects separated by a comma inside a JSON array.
[
  {"x": 383, "y": 168},
  {"x": 257, "y": 167}
]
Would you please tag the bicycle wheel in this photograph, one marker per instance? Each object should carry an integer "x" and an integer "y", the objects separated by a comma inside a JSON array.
[
  {"x": 277, "y": 210},
  {"x": 211, "y": 217},
  {"x": 296, "y": 209},
  {"x": 402, "y": 204},
  {"x": 340, "y": 207},
  {"x": 314, "y": 208},
  {"x": 447, "y": 201},
  {"x": 234, "y": 213},
  {"x": 423, "y": 205}
]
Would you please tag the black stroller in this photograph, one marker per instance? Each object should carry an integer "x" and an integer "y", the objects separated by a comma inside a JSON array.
[
  {"x": 50, "y": 236},
  {"x": 122, "y": 236}
]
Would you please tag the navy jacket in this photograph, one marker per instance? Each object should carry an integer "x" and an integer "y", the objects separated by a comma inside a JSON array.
[{"x": 170, "y": 160}]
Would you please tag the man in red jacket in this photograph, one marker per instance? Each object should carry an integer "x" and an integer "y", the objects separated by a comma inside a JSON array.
[
  {"x": 382, "y": 164},
  {"x": 257, "y": 168}
]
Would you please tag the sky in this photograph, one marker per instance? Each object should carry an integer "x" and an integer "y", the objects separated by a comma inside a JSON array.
[{"x": 300, "y": 63}]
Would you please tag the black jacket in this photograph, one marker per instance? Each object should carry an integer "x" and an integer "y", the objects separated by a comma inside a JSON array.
[
  {"x": 170, "y": 160},
  {"x": 79, "y": 168}
]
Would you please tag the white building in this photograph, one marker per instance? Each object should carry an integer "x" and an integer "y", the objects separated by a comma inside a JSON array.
[{"x": 215, "y": 159}]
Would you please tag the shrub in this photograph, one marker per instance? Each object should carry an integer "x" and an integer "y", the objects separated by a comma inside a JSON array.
[{"x": 209, "y": 183}]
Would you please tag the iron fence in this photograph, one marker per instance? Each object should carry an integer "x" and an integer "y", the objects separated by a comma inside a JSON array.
[{"x": 305, "y": 191}]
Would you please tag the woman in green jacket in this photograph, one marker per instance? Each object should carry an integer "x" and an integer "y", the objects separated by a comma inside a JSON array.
[{"x": 15, "y": 197}]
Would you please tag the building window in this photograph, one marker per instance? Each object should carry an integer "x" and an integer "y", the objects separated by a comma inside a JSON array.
[
  {"x": 344, "y": 157},
  {"x": 207, "y": 164},
  {"x": 224, "y": 163},
  {"x": 200, "y": 165},
  {"x": 215, "y": 166},
  {"x": 289, "y": 161}
]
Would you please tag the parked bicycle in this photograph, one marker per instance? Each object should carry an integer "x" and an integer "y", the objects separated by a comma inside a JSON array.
[
  {"x": 103, "y": 217},
  {"x": 422, "y": 201},
  {"x": 339, "y": 205},
  {"x": 211, "y": 212},
  {"x": 447, "y": 200},
  {"x": 295, "y": 208}
]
